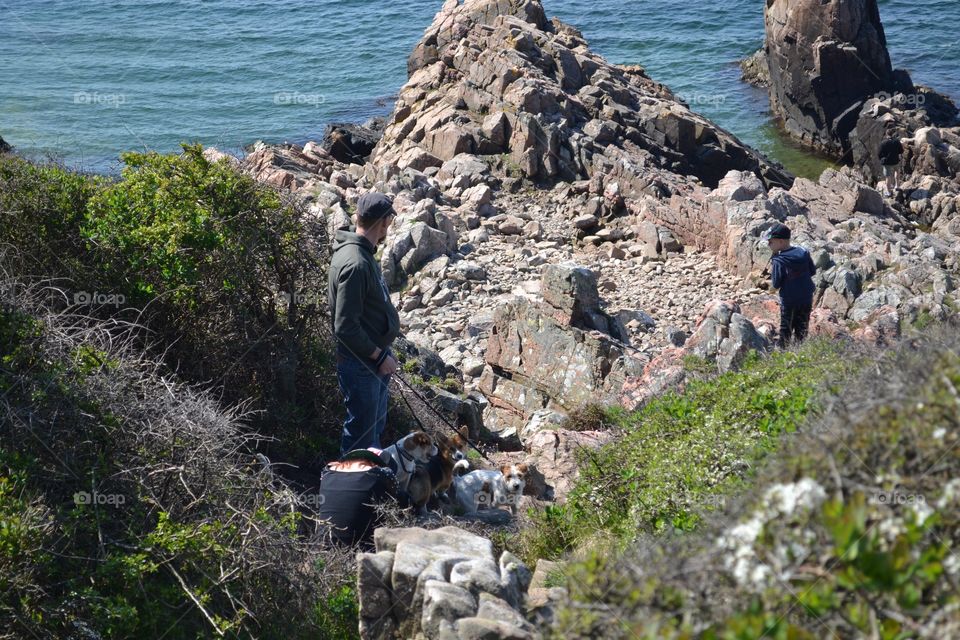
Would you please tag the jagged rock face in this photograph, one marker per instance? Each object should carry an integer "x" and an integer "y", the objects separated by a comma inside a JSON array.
[
  {"x": 4, "y": 147},
  {"x": 825, "y": 58},
  {"x": 929, "y": 154},
  {"x": 350, "y": 143},
  {"x": 555, "y": 354},
  {"x": 494, "y": 77}
]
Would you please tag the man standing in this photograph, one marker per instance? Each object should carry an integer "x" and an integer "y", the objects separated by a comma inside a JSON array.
[
  {"x": 365, "y": 323},
  {"x": 792, "y": 274}
]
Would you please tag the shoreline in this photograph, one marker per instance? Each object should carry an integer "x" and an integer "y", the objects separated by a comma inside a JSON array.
[{"x": 795, "y": 161}]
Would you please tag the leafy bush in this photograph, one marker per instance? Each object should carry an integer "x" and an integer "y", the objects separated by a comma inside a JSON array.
[
  {"x": 850, "y": 532},
  {"x": 683, "y": 452},
  {"x": 227, "y": 275},
  {"x": 228, "y": 269},
  {"x": 129, "y": 506},
  {"x": 41, "y": 210}
]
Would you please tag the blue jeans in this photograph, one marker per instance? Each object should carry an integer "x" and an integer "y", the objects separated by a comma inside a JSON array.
[{"x": 365, "y": 396}]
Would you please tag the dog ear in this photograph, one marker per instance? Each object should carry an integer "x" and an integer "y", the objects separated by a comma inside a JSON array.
[
  {"x": 419, "y": 439},
  {"x": 523, "y": 468},
  {"x": 505, "y": 469}
]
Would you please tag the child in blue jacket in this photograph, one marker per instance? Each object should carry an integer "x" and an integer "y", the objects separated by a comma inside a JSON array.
[{"x": 792, "y": 273}]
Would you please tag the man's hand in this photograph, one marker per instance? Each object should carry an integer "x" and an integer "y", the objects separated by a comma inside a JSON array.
[{"x": 389, "y": 366}]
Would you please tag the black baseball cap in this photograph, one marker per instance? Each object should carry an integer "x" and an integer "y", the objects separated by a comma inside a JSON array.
[
  {"x": 778, "y": 231},
  {"x": 374, "y": 206}
]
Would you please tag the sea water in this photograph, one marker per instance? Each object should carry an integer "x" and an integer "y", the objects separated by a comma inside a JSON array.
[{"x": 84, "y": 80}]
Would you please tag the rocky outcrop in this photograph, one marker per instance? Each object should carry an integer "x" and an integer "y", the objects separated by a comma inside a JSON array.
[
  {"x": 723, "y": 337},
  {"x": 4, "y": 147},
  {"x": 754, "y": 69},
  {"x": 825, "y": 58},
  {"x": 554, "y": 455},
  {"x": 926, "y": 124},
  {"x": 496, "y": 78},
  {"x": 289, "y": 166},
  {"x": 558, "y": 353},
  {"x": 441, "y": 584},
  {"x": 513, "y": 150},
  {"x": 351, "y": 143},
  {"x": 422, "y": 233}
]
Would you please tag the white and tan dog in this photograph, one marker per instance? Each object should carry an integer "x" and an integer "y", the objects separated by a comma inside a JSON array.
[
  {"x": 407, "y": 452},
  {"x": 505, "y": 485}
]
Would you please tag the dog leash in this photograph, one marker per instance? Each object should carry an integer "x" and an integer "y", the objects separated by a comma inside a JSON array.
[
  {"x": 421, "y": 398},
  {"x": 436, "y": 412}
]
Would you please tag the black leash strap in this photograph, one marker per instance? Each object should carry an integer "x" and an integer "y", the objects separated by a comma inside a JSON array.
[
  {"x": 436, "y": 411},
  {"x": 420, "y": 397}
]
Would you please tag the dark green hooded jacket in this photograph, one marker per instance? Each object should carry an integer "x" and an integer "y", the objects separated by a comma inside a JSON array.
[{"x": 363, "y": 316}]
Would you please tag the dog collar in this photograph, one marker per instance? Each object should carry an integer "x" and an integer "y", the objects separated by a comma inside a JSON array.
[{"x": 406, "y": 456}]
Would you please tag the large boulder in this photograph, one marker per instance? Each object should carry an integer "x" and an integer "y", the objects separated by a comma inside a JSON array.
[
  {"x": 421, "y": 233},
  {"x": 557, "y": 353},
  {"x": 825, "y": 58},
  {"x": 352, "y": 143},
  {"x": 725, "y": 336},
  {"x": 496, "y": 78},
  {"x": 554, "y": 456},
  {"x": 441, "y": 583}
]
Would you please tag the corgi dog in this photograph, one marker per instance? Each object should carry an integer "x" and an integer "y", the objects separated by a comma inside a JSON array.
[
  {"x": 434, "y": 478},
  {"x": 506, "y": 486},
  {"x": 406, "y": 452}
]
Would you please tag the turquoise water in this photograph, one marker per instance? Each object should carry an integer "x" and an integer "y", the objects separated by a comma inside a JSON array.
[{"x": 86, "y": 79}]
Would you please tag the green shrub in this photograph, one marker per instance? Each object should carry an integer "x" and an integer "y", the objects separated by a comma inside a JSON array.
[
  {"x": 682, "y": 453},
  {"x": 42, "y": 208},
  {"x": 849, "y": 532},
  {"x": 227, "y": 276},
  {"x": 226, "y": 269},
  {"x": 188, "y": 541},
  {"x": 337, "y": 615}
]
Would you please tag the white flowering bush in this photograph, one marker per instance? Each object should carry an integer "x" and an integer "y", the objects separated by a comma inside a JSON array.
[{"x": 850, "y": 531}]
